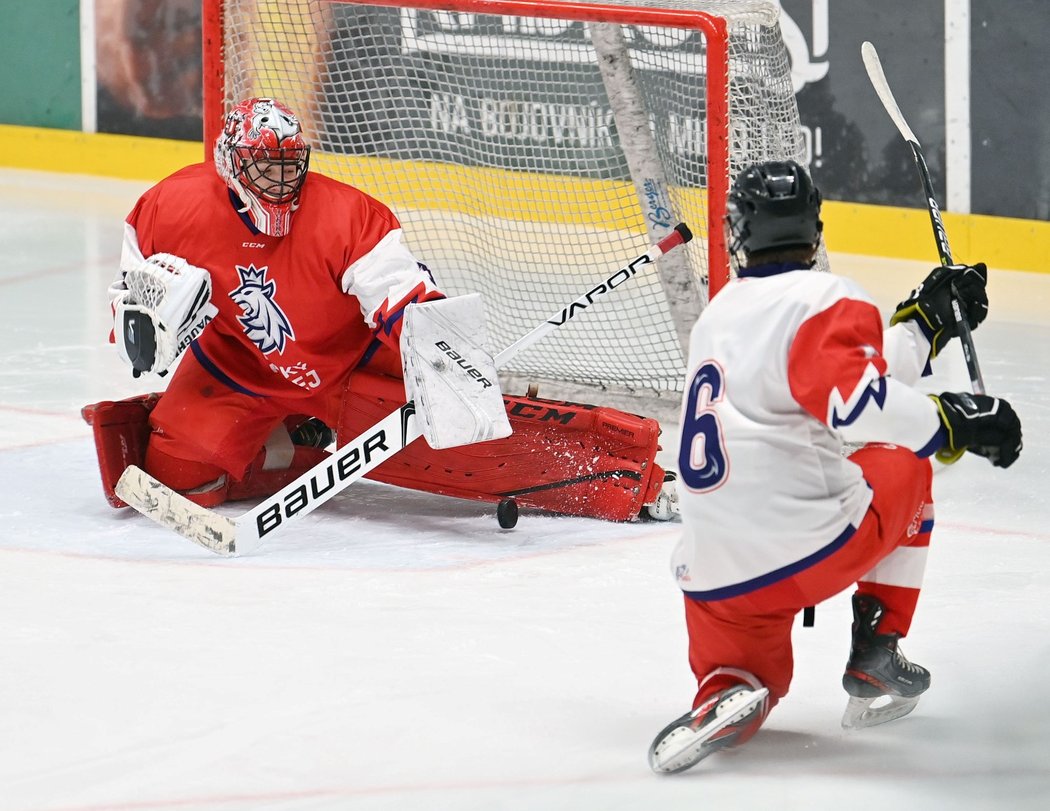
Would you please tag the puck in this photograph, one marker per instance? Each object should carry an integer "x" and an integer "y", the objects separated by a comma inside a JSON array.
[{"x": 507, "y": 513}]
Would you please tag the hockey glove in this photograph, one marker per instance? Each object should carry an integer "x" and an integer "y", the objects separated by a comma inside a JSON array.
[
  {"x": 165, "y": 306},
  {"x": 978, "y": 423},
  {"x": 930, "y": 304}
]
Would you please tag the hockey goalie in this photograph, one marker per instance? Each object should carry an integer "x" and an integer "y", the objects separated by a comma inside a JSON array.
[{"x": 278, "y": 298}]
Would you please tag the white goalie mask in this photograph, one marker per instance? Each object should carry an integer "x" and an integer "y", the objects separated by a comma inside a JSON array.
[{"x": 262, "y": 157}]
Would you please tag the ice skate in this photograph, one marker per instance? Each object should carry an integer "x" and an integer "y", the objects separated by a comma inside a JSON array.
[
  {"x": 666, "y": 507},
  {"x": 716, "y": 724},
  {"x": 883, "y": 685}
]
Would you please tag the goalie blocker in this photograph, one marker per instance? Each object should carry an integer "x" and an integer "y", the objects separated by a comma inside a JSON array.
[{"x": 562, "y": 457}]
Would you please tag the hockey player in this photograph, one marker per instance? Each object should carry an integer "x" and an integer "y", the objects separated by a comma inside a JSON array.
[
  {"x": 785, "y": 366},
  {"x": 282, "y": 292}
]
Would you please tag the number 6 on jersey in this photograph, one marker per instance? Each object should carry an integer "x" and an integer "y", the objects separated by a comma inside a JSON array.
[{"x": 702, "y": 458}]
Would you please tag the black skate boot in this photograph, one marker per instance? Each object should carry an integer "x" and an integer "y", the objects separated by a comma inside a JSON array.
[
  {"x": 720, "y": 722},
  {"x": 878, "y": 670}
]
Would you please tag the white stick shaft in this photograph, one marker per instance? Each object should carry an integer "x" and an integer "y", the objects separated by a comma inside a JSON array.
[{"x": 678, "y": 236}]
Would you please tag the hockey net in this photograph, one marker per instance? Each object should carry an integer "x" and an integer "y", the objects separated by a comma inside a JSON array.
[{"x": 531, "y": 147}]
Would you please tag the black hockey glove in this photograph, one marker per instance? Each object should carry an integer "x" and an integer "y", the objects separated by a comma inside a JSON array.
[
  {"x": 930, "y": 304},
  {"x": 978, "y": 423}
]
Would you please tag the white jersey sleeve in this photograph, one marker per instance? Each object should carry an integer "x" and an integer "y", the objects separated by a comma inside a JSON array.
[
  {"x": 131, "y": 258},
  {"x": 907, "y": 352},
  {"x": 386, "y": 278}
]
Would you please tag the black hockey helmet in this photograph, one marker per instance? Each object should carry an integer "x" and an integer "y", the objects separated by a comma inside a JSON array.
[{"x": 773, "y": 206}]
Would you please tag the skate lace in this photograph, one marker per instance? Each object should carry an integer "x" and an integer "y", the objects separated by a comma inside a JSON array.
[{"x": 903, "y": 663}]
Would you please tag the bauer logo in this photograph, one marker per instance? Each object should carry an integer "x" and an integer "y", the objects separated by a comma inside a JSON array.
[
  {"x": 464, "y": 364},
  {"x": 367, "y": 451}
]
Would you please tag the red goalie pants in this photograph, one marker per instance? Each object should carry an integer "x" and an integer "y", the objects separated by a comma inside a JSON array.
[
  {"x": 213, "y": 443},
  {"x": 885, "y": 557}
]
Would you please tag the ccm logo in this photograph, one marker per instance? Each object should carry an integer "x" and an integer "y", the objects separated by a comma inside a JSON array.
[{"x": 253, "y": 244}]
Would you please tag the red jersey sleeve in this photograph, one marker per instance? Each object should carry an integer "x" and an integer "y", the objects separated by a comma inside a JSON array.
[
  {"x": 837, "y": 373},
  {"x": 836, "y": 359}
]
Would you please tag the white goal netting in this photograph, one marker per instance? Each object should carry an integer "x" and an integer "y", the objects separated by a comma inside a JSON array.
[{"x": 529, "y": 157}]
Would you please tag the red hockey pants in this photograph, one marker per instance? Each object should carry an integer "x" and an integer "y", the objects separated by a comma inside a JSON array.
[{"x": 885, "y": 557}]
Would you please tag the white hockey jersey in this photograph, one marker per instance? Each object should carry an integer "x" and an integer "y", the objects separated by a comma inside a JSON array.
[{"x": 783, "y": 369}]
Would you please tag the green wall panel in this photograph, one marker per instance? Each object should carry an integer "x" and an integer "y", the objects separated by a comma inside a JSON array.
[{"x": 40, "y": 63}]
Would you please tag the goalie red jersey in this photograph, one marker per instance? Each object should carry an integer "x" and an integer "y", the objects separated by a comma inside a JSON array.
[{"x": 279, "y": 330}]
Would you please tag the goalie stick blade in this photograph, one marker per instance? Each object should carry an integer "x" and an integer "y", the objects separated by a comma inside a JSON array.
[
  {"x": 860, "y": 714},
  {"x": 176, "y": 512}
]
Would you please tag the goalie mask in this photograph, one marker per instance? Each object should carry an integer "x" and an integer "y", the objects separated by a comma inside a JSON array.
[
  {"x": 772, "y": 206},
  {"x": 263, "y": 158}
]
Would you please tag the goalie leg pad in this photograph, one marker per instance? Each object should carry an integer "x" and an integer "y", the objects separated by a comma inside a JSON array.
[
  {"x": 121, "y": 431},
  {"x": 563, "y": 457}
]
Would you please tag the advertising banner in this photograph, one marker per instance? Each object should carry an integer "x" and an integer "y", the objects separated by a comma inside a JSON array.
[{"x": 149, "y": 80}]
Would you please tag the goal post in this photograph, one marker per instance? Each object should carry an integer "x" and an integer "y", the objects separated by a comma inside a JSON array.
[{"x": 525, "y": 144}]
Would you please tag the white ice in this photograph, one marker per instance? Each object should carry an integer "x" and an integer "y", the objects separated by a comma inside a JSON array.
[{"x": 399, "y": 651}]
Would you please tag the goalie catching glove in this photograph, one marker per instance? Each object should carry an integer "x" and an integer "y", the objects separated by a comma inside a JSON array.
[
  {"x": 930, "y": 304},
  {"x": 978, "y": 423},
  {"x": 165, "y": 306},
  {"x": 449, "y": 374}
]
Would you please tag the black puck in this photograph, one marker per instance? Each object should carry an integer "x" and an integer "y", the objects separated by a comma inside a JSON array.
[{"x": 507, "y": 513}]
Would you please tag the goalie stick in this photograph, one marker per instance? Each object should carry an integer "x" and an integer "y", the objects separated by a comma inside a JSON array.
[
  {"x": 231, "y": 536},
  {"x": 873, "y": 65}
]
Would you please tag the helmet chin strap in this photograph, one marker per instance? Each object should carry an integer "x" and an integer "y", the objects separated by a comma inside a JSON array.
[{"x": 262, "y": 219}]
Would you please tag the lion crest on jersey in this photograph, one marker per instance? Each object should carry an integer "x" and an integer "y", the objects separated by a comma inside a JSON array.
[{"x": 263, "y": 320}]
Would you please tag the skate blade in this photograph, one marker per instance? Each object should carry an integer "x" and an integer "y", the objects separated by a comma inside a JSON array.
[
  {"x": 683, "y": 747},
  {"x": 860, "y": 713}
]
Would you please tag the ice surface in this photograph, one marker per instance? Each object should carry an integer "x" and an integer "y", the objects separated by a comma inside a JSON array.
[{"x": 400, "y": 651}]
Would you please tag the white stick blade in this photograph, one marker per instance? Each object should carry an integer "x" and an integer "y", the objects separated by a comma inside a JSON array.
[
  {"x": 176, "y": 512},
  {"x": 873, "y": 65}
]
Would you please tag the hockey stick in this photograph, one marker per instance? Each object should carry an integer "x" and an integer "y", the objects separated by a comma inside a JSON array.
[
  {"x": 231, "y": 536},
  {"x": 878, "y": 80}
]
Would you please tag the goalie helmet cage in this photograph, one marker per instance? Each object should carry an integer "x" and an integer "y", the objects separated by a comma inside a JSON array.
[{"x": 529, "y": 145}]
